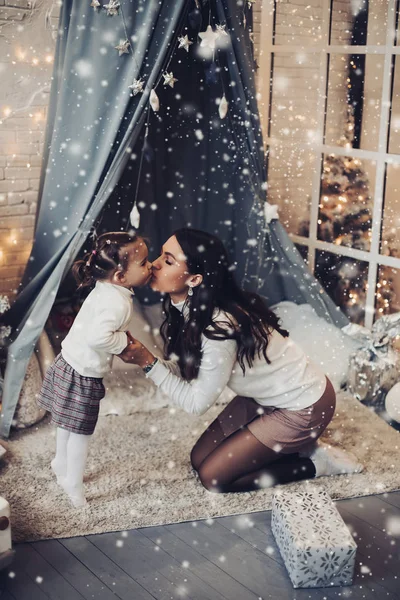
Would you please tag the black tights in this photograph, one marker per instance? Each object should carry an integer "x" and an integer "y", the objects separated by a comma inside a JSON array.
[{"x": 240, "y": 463}]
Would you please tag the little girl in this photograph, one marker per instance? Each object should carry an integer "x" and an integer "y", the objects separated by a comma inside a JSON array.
[{"x": 73, "y": 385}]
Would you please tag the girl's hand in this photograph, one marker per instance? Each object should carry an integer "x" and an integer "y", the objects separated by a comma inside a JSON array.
[{"x": 135, "y": 353}]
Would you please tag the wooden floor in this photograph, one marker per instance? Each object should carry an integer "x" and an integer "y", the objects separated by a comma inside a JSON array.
[{"x": 229, "y": 558}]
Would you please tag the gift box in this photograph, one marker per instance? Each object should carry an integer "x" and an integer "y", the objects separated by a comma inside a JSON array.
[
  {"x": 6, "y": 551},
  {"x": 375, "y": 367},
  {"x": 316, "y": 545}
]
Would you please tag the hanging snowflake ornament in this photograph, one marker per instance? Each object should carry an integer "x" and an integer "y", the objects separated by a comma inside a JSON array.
[
  {"x": 223, "y": 107},
  {"x": 169, "y": 79},
  {"x": 136, "y": 87},
  {"x": 184, "y": 42},
  {"x": 154, "y": 101},
  {"x": 208, "y": 38},
  {"x": 123, "y": 47},
  {"x": 112, "y": 7},
  {"x": 95, "y": 4}
]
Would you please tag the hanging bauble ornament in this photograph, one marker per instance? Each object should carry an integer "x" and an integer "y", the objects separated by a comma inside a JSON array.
[
  {"x": 95, "y": 4},
  {"x": 223, "y": 107},
  {"x": 112, "y": 7},
  {"x": 154, "y": 101},
  {"x": 169, "y": 79},
  {"x": 392, "y": 403},
  {"x": 123, "y": 47},
  {"x": 184, "y": 42},
  {"x": 136, "y": 87},
  {"x": 134, "y": 217},
  {"x": 208, "y": 38}
]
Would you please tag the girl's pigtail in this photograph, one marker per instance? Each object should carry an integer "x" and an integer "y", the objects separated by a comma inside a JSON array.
[{"x": 81, "y": 270}]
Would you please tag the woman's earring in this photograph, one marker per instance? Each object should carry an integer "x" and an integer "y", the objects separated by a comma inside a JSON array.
[{"x": 190, "y": 291}]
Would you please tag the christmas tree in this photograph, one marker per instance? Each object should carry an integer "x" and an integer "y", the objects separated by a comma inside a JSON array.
[{"x": 345, "y": 219}]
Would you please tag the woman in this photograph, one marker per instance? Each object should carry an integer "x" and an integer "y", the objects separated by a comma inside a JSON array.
[{"x": 217, "y": 334}]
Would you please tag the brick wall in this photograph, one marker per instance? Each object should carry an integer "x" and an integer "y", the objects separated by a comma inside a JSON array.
[{"x": 27, "y": 42}]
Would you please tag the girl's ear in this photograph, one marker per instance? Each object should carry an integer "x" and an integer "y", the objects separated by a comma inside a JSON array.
[{"x": 118, "y": 277}]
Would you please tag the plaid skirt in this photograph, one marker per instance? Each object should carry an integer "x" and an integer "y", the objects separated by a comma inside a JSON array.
[{"x": 72, "y": 400}]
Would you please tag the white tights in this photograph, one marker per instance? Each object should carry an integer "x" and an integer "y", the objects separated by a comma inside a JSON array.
[{"x": 69, "y": 463}]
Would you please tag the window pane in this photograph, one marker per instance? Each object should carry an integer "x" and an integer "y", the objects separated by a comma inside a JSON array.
[
  {"x": 354, "y": 100},
  {"x": 359, "y": 22},
  {"x": 387, "y": 296},
  {"x": 394, "y": 131},
  {"x": 303, "y": 250},
  {"x": 298, "y": 24},
  {"x": 390, "y": 242},
  {"x": 290, "y": 179},
  {"x": 345, "y": 208},
  {"x": 345, "y": 279},
  {"x": 294, "y": 96}
]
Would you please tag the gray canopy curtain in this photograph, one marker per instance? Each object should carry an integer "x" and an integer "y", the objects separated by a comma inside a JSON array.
[{"x": 195, "y": 167}]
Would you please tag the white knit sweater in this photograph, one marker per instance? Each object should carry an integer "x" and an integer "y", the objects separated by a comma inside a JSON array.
[{"x": 290, "y": 381}]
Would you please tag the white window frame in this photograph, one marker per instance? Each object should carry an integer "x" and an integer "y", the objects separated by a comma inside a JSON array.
[{"x": 380, "y": 156}]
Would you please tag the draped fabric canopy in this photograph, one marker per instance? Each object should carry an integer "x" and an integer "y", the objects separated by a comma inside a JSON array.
[{"x": 106, "y": 150}]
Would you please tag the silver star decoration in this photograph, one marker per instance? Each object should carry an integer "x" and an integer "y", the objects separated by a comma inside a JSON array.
[
  {"x": 169, "y": 79},
  {"x": 123, "y": 47},
  {"x": 221, "y": 30},
  {"x": 95, "y": 4},
  {"x": 251, "y": 2},
  {"x": 184, "y": 42},
  {"x": 136, "y": 87},
  {"x": 112, "y": 7},
  {"x": 208, "y": 38}
]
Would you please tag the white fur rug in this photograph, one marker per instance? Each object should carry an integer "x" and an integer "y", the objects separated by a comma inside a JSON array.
[{"x": 139, "y": 473}]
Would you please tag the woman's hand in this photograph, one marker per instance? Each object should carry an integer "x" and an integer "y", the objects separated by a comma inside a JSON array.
[{"x": 136, "y": 353}]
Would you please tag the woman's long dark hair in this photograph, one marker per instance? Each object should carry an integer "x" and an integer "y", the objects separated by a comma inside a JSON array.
[{"x": 251, "y": 320}]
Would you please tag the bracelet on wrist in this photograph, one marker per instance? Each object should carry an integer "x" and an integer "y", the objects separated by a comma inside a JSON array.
[{"x": 149, "y": 367}]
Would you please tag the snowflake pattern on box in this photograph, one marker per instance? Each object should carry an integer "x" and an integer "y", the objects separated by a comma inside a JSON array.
[{"x": 315, "y": 543}]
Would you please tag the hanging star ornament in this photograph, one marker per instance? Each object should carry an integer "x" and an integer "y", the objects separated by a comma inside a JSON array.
[
  {"x": 112, "y": 7},
  {"x": 123, "y": 47},
  {"x": 221, "y": 30},
  {"x": 136, "y": 87},
  {"x": 169, "y": 79},
  {"x": 208, "y": 38},
  {"x": 95, "y": 4},
  {"x": 184, "y": 42}
]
